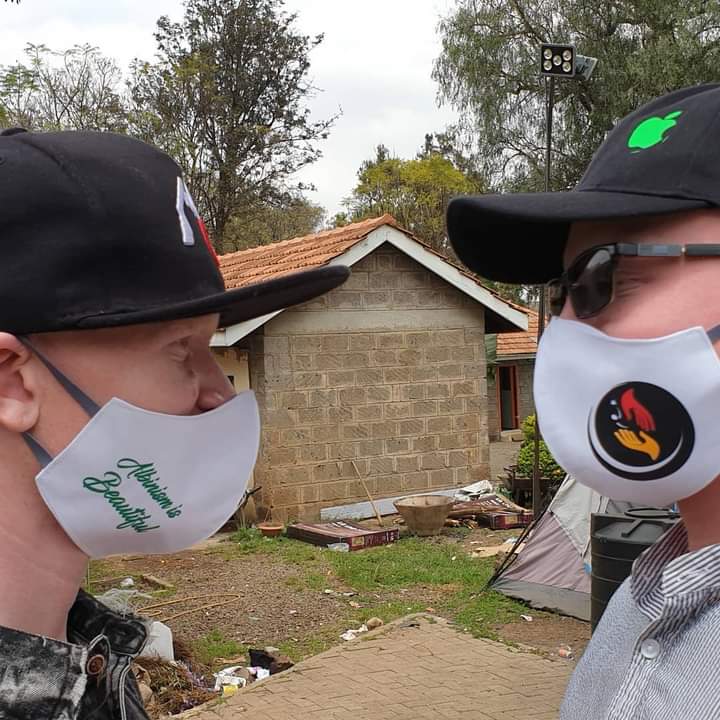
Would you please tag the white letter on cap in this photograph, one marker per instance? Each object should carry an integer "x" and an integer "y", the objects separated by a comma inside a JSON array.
[{"x": 184, "y": 198}]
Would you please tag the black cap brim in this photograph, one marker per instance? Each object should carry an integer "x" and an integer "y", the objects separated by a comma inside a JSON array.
[
  {"x": 520, "y": 238},
  {"x": 237, "y": 305}
]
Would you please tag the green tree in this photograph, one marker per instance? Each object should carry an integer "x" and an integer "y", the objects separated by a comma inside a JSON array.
[
  {"x": 227, "y": 98},
  {"x": 268, "y": 224},
  {"x": 415, "y": 192},
  {"x": 488, "y": 71},
  {"x": 74, "y": 89}
]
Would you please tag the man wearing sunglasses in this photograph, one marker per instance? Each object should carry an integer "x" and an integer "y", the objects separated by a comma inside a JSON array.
[{"x": 627, "y": 382}]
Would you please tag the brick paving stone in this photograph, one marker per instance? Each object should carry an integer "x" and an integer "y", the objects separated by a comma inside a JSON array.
[{"x": 406, "y": 672}]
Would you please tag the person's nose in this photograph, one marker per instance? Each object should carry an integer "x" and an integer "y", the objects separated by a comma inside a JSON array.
[{"x": 215, "y": 387}]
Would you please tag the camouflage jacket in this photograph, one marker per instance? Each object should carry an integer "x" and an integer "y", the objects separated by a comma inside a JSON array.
[{"x": 87, "y": 677}]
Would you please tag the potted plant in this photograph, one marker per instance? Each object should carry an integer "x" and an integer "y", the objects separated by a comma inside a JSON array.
[{"x": 521, "y": 474}]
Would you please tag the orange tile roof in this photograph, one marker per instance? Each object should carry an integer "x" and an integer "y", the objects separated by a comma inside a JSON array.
[
  {"x": 519, "y": 343},
  {"x": 301, "y": 253},
  {"x": 245, "y": 267}
]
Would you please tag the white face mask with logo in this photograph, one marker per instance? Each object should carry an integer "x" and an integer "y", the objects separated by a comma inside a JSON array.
[
  {"x": 135, "y": 481},
  {"x": 635, "y": 420}
]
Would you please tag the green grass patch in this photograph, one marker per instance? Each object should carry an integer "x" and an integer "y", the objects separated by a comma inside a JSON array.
[
  {"x": 476, "y": 613},
  {"x": 215, "y": 645},
  {"x": 407, "y": 563},
  {"x": 320, "y": 641},
  {"x": 251, "y": 541}
]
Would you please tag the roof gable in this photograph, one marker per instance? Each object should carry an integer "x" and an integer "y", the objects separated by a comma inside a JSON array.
[{"x": 346, "y": 246}]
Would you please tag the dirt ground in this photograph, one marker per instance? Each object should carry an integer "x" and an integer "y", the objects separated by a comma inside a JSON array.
[
  {"x": 272, "y": 604},
  {"x": 269, "y": 602}
]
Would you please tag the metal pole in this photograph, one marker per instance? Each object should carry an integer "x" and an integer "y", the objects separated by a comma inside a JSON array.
[{"x": 549, "y": 104}]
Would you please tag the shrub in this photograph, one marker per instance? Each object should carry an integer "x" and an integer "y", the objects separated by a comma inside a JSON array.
[{"x": 526, "y": 457}]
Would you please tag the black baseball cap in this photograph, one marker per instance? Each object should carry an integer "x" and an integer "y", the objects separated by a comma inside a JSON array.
[
  {"x": 663, "y": 158},
  {"x": 99, "y": 230}
]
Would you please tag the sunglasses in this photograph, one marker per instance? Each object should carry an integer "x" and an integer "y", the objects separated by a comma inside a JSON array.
[{"x": 588, "y": 282}]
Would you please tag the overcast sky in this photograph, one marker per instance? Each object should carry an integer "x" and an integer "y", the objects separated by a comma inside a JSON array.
[{"x": 374, "y": 64}]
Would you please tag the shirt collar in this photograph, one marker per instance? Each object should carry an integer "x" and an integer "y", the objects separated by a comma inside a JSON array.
[{"x": 669, "y": 567}]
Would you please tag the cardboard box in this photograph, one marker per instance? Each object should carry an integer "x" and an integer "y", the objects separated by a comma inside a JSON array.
[{"x": 354, "y": 534}]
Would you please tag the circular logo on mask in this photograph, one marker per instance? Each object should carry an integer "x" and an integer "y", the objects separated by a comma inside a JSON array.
[{"x": 639, "y": 431}]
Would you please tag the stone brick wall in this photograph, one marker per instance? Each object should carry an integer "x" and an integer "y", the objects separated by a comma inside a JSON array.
[
  {"x": 383, "y": 378},
  {"x": 526, "y": 405}
]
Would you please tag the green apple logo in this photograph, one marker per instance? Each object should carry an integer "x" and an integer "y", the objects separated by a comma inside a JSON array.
[{"x": 651, "y": 131}]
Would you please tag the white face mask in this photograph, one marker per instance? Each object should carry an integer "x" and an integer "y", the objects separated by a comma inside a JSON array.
[
  {"x": 636, "y": 420},
  {"x": 135, "y": 481}
]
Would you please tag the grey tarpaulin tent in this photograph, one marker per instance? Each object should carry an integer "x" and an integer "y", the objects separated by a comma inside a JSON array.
[{"x": 552, "y": 570}]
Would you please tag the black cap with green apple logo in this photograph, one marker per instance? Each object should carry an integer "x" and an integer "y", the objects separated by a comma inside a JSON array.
[{"x": 663, "y": 158}]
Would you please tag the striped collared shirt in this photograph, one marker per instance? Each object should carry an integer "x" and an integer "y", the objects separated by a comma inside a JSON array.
[{"x": 656, "y": 653}]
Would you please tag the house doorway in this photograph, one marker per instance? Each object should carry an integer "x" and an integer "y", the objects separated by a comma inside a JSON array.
[{"x": 507, "y": 397}]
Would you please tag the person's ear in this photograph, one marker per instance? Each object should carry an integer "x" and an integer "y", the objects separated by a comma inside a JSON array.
[{"x": 19, "y": 383}]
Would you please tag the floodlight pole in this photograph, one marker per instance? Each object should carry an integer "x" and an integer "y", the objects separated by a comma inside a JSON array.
[{"x": 549, "y": 107}]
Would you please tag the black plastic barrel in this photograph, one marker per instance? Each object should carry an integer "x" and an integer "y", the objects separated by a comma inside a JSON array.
[{"x": 616, "y": 540}]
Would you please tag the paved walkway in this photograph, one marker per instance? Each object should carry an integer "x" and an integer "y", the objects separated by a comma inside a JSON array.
[{"x": 419, "y": 668}]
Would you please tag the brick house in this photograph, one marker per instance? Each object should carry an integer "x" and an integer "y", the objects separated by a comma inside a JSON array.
[
  {"x": 382, "y": 379},
  {"x": 510, "y": 378}
]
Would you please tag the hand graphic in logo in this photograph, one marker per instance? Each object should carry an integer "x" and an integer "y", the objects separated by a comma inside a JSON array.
[
  {"x": 644, "y": 443},
  {"x": 633, "y": 409}
]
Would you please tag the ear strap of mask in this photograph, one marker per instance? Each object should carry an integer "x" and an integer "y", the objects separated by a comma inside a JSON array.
[
  {"x": 714, "y": 334},
  {"x": 85, "y": 402}
]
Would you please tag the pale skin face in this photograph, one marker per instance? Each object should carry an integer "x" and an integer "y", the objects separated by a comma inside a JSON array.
[
  {"x": 164, "y": 367},
  {"x": 656, "y": 297}
]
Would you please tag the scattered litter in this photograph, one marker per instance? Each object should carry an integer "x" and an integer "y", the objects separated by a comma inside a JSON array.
[
  {"x": 354, "y": 604},
  {"x": 493, "y": 510},
  {"x": 511, "y": 541},
  {"x": 565, "y": 651},
  {"x": 335, "y": 593},
  {"x": 339, "y": 547},
  {"x": 353, "y": 634},
  {"x": 160, "y": 643},
  {"x": 128, "y": 582},
  {"x": 260, "y": 673},
  {"x": 527, "y": 618},
  {"x": 352, "y": 534},
  {"x": 486, "y": 552},
  {"x": 146, "y": 693},
  {"x": 374, "y": 623},
  {"x": 230, "y": 679},
  {"x": 430, "y": 609},
  {"x": 274, "y": 662},
  {"x": 483, "y": 487},
  {"x": 293, "y": 612},
  {"x": 124, "y": 602}
]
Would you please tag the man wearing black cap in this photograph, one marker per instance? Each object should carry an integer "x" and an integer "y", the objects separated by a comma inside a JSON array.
[
  {"x": 118, "y": 431},
  {"x": 627, "y": 382}
]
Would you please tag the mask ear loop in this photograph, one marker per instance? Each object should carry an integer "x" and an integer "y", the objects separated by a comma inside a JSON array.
[
  {"x": 714, "y": 334},
  {"x": 85, "y": 402}
]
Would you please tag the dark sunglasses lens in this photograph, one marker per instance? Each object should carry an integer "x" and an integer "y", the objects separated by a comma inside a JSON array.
[
  {"x": 556, "y": 296},
  {"x": 592, "y": 287}
]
